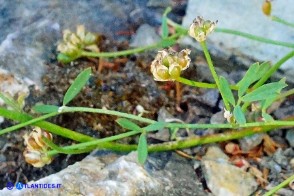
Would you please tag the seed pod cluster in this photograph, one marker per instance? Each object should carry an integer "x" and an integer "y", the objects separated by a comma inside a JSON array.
[{"x": 35, "y": 152}]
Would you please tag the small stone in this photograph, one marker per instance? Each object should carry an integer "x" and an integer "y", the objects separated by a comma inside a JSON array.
[
  {"x": 280, "y": 158},
  {"x": 249, "y": 142},
  {"x": 210, "y": 98},
  {"x": 218, "y": 118},
  {"x": 145, "y": 36},
  {"x": 290, "y": 137},
  {"x": 224, "y": 179}
]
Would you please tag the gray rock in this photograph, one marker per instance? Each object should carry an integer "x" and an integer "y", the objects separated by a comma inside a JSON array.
[
  {"x": 163, "y": 3},
  {"x": 249, "y": 142},
  {"x": 246, "y": 16},
  {"x": 145, "y": 36},
  {"x": 283, "y": 112},
  {"x": 280, "y": 158},
  {"x": 106, "y": 174},
  {"x": 224, "y": 179},
  {"x": 32, "y": 28},
  {"x": 290, "y": 137},
  {"x": 218, "y": 118},
  {"x": 210, "y": 97}
]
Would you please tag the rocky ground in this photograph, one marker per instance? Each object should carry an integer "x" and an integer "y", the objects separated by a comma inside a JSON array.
[{"x": 28, "y": 65}]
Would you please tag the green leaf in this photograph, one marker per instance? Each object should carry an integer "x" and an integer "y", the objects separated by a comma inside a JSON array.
[
  {"x": 155, "y": 126},
  {"x": 45, "y": 108},
  {"x": 63, "y": 58},
  {"x": 254, "y": 73},
  {"x": 77, "y": 85},
  {"x": 265, "y": 91},
  {"x": 268, "y": 102},
  {"x": 129, "y": 125},
  {"x": 164, "y": 26},
  {"x": 142, "y": 149},
  {"x": 267, "y": 117},
  {"x": 226, "y": 91},
  {"x": 239, "y": 115},
  {"x": 10, "y": 102}
]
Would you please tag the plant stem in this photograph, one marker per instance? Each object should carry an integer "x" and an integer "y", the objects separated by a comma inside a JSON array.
[
  {"x": 281, "y": 185},
  {"x": 93, "y": 143},
  {"x": 174, "y": 145},
  {"x": 237, "y": 33},
  {"x": 27, "y": 119},
  {"x": 196, "y": 84},
  {"x": 273, "y": 69},
  {"x": 68, "y": 134},
  {"x": 201, "y": 84},
  {"x": 162, "y": 43},
  {"x": 213, "y": 72},
  {"x": 286, "y": 94},
  {"x": 108, "y": 112},
  {"x": 282, "y": 21},
  {"x": 254, "y": 37}
]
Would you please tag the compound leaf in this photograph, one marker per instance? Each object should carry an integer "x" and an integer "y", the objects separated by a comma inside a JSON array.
[{"x": 226, "y": 91}]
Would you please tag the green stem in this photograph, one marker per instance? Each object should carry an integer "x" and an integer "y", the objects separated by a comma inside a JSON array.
[
  {"x": 254, "y": 37},
  {"x": 282, "y": 21},
  {"x": 284, "y": 183},
  {"x": 286, "y": 94},
  {"x": 162, "y": 43},
  {"x": 25, "y": 118},
  {"x": 213, "y": 72},
  {"x": 201, "y": 84},
  {"x": 92, "y": 143},
  {"x": 196, "y": 84},
  {"x": 174, "y": 145},
  {"x": 273, "y": 69},
  {"x": 237, "y": 33}
]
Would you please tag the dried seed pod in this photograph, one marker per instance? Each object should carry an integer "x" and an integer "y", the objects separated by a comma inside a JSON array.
[
  {"x": 267, "y": 7},
  {"x": 201, "y": 28},
  {"x": 168, "y": 64},
  {"x": 36, "y": 158}
]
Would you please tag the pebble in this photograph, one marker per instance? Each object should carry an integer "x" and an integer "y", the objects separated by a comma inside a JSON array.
[
  {"x": 280, "y": 158},
  {"x": 218, "y": 118},
  {"x": 290, "y": 137},
  {"x": 223, "y": 178},
  {"x": 249, "y": 142}
]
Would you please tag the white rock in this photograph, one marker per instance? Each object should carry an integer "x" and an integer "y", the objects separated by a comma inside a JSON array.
[{"x": 246, "y": 16}]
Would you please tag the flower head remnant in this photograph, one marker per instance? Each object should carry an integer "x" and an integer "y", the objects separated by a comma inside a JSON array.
[
  {"x": 74, "y": 43},
  {"x": 36, "y": 149},
  {"x": 168, "y": 64},
  {"x": 200, "y": 28}
]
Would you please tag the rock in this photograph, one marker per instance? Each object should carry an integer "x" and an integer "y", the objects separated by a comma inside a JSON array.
[
  {"x": 224, "y": 179},
  {"x": 210, "y": 97},
  {"x": 290, "y": 137},
  {"x": 33, "y": 28},
  {"x": 218, "y": 118},
  {"x": 249, "y": 142},
  {"x": 106, "y": 174},
  {"x": 145, "y": 36},
  {"x": 284, "y": 112},
  {"x": 251, "y": 20},
  {"x": 163, "y": 3},
  {"x": 280, "y": 158}
]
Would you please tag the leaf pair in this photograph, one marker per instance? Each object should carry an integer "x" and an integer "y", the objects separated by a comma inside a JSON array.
[
  {"x": 142, "y": 145},
  {"x": 253, "y": 74}
]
